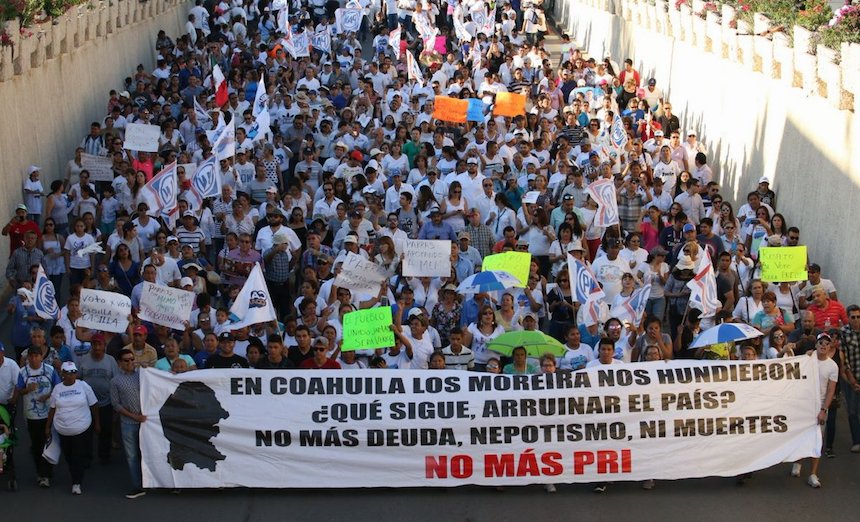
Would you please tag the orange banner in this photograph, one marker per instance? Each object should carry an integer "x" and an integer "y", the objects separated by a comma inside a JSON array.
[
  {"x": 509, "y": 104},
  {"x": 450, "y": 109}
]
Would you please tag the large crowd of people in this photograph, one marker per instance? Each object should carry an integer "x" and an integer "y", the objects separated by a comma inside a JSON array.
[{"x": 354, "y": 161}]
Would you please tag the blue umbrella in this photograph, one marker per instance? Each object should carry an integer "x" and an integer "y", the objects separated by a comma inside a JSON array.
[
  {"x": 725, "y": 333},
  {"x": 488, "y": 281}
]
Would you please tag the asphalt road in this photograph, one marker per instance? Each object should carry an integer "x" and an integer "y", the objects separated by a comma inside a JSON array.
[{"x": 770, "y": 495}]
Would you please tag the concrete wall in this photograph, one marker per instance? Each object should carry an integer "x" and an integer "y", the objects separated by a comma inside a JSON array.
[
  {"x": 46, "y": 105},
  {"x": 752, "y": 126}
]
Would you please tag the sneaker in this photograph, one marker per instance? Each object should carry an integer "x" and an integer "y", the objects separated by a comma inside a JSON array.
[
  {"x": 136, "y": 493},
  {"x": 76, "y": 489},
  {"x": 550, "y": 488},
  {"x": 829, "y": 453},
  {"x": 795, "y": 469},
  {"x": 600, "y": 488},
  {"x": 648, "y": 484},
  {"x": 855, "y": 448},
  {"x": 44, "y": 482},
  {"x": 813, "y": 481}
]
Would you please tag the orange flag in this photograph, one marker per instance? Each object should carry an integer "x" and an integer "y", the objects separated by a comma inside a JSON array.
[
  {"x": 509, "y": 104},
  {"x": 450, "y": 109}
]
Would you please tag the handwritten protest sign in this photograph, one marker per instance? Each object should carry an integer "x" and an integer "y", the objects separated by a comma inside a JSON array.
[
  {"x": 450, "y": 109},
  {"x": 515, "y": 263},
  {"x": 430, "y": 258},
  {"x": 141, "y": 137},
  {"x": 366, "y": 329},
  {"x": 509, "y": 104},
  {"x": 99, "y": 167},
  {"x": 105, "y": 311},
  {"x": 166, "y": 306},
  {"x": 360, "y": 275},
  {"x": 783, "y": 264}
]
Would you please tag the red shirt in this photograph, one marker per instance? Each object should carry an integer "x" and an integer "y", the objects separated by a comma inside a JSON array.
[
  {"x": 834, "y": 312},
  {"x": 17, "y": 231},
  {"x": 145, "y": 166},
  {"x": 310, "y": 364}
]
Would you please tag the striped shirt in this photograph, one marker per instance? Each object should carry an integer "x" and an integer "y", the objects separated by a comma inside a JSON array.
[{"x": 125, "y": 393}]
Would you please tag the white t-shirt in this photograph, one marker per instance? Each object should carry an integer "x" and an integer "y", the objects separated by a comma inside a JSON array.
[
  {"x": 597, "y": 362},
  {"x": 828, "y": 371},
  {"x": 72, "y": 403},
  {"x": 576, "y": 359},
  {"x": 422, "y": 349},
  {"x": 75, "y": 244},
  {"x": 480, "y": 341}
]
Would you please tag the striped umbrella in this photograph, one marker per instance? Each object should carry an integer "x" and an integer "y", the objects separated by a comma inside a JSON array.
[
  {"x": 488, "y": 281},
  {"x": 725, "y": 333}
]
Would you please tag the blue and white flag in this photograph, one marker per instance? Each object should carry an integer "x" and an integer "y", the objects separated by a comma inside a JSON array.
[
  {"x": 586, "y": 289},
  {"x": 603, "y": 192},
  {"x": 253, "y": 304},
  {"x": 206, "y": 181},
  {"x": 321, "y": 41},
  {"x": 632, "y": 308},
  {"x": 223, "y": 140},
  {"x": 301, "y": 41},
  {"x": 45, "y": 297},
  {"x": 618, "y": 135},
  {"x": 703, "y": 287},
  {"x": 162, "y": 190},
  {"x": 413, "y": 71},
  {"x": 262, "y": 118},
  {"x": 202, "y": 114}
]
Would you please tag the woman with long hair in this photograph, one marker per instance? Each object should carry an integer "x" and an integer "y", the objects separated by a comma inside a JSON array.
[
  {"x": 651, "y": 224},
  {"x": 51, "y": 246},
  {"x": 386, "y": 256},
  {"x": 124, "y": 269},
  {"x": 503, "y": 216},
  {"x": 479, "y": 334},
  {"x": 57, "y": 207},
  {"x": 446, "y": 313},
  {"x": 454, "y": 207},
  {"x": 751, "y": 304},
  {"x": 558, "y": 249},
  {"x": 507, "y": 314}
]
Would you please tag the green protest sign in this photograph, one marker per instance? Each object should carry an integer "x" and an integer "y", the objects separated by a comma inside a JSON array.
[
  {"x": 367, "y": 329},
  {"x": 783, "y": 264},
  {"x": 515, "y": 263}
]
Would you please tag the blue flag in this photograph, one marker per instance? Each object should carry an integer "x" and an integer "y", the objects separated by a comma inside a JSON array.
[{"x": 475, "y": 112}]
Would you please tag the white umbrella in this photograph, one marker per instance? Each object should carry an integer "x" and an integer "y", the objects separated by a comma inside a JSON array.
[{"x": 725, "y": 333}]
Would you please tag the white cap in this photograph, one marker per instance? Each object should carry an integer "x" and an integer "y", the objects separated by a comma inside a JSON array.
[
  {"x": 32, "y": 169},
  {"x": 186, "y": 281},
  {"x": 69, "y": 366},
  {"x": 280, "y": 239},
  {"x": 764, "y": 179}
]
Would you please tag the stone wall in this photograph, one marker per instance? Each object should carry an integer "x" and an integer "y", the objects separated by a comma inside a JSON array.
[
  {"x": 761, "y": 107},
  {"x": 55, "y": 80}
]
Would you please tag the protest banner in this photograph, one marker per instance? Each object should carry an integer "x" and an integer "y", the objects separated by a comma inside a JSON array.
[
  {"x": 360, "y": 275},
  {"x": 450, "y": 109},
  {"x": 664, "y": 420},
  {"x": 783, "y": 264},
  {"x": 99, "y": 167},
  {"x": 515, "y": 263},
  {"x": 367, "y": 329},
  {"x": 509, "y": 104},
  {"x": 141, "y": 137},
  {"x": 105, "y": 311},
  {"x": 427, "y": 257},
  {"x": 166, "y": 306}
]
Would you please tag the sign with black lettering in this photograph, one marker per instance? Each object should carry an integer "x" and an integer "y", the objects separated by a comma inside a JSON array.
[{"x": 663, "y": 420}]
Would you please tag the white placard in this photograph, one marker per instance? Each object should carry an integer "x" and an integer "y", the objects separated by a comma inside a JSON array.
[
  {"x": 166, "y": 306},
  {"x": 99, "y": 167},
  {"x": 105, "y": 311},
  {"x": 360, "y": 275},
  {"x": 531, "y": 197},
  {"x": 141, "y": 137},
  {"x": 663, "y": 420},
  {"x": 427, "y": 257}
]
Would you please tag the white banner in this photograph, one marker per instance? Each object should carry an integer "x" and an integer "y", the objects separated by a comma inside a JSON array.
[
  {"x": 660, "y": 420},
  {"x": 166, "y": 306},
  {"x": 426, "y": 257},
  {"x": 360, "y": 275},
  {"x": 141, "y": 137},
  {"x": 105, "y": 311},
  {"x": 99, "y": 167}
]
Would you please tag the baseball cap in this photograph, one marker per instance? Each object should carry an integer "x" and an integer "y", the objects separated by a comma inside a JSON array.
[
  {"x": 434, "y": 210},
  {"x": 226, "y": 336},
  {"x": 415, "y": 312},
  {"x": 350, "y": 238},
  {"x": 527, "y": 315},
  {"x": 472, "y": 160},
  {"x": 186, "y": 281},
  {"x": 575, "y": 245},
  {"x": 70, "y": 367},
  {"x": 368, "y": 190},
  {"x": 652, "y": 82},
  {"x": 764, "y": 179},
  {"x": 321, "y": 341},
  {"x": 272, "y": 190},
  {"x": 280, "y": 239},
  {"x": 125, "y": 94},
  {"x": 140, "y": 329},
  {"x": 21, "y": 207},
  {"x": 32, "y": 169},
  {"x": 689, "y": 228},
  {"x": 375, "y": 151},
  {"x": 189, "y": 213},
  {"x": 356, "y": 155},
  {"x": 658, "y": 133},
  {"x": 821, "y": 336},
  {"x": 172, "y": 238},
  {"x": 464, "y": 235},
  {"x": 692, "y": 132}
]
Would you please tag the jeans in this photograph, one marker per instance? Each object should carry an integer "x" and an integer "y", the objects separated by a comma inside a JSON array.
[
  {"x": 105, "y": 435},
  {"x": 78, "y": 450},
  {"x": 852, "y": 403},
  {"x": 131, "y": 445},
  {"x": 657, "y": 308},
  {"x": 36, "y": 429}
]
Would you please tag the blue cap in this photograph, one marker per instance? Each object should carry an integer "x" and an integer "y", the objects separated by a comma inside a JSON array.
[{"x": 689, "y": 228}]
